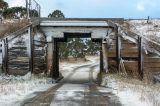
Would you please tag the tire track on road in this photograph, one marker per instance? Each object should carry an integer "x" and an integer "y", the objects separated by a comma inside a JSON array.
[
  {"x": 96, "y": 98},
  {"x": 46, "y": 97}
]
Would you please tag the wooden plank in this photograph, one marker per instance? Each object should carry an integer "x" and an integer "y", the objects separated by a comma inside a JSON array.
[
  {"x": 113, "y": 46},
  {"x": 132, "y": 68},
  {"x": 152, "y": 65},
  {"x": 151, "y": 59},
  {"x": 131, "y": 64},
  {"x": 131, "y": 55},
  {"x": 111, "y": 54},
  {"x": 129, "y": 52},
  {"x": 18, "y": 72},
  {"x": 112, "y": 62},
  {"x": 128, "y": 45},
  {"x": 149, "y": 69},
  {"x": 18, "y": 48}
]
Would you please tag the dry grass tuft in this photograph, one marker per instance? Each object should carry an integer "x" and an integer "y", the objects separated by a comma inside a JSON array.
[
  {"x": 11, "y": 27},
  {"x": 148, "y": 92}
]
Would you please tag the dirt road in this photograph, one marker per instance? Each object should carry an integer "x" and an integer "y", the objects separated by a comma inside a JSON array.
[{"x": 78, "y": 88}]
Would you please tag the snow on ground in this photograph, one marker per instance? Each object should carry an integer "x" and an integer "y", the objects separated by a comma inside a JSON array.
[
  {"x": 71, "y": 66},
  {"x": 133, "y": 92},
  {"x": 76, "y": 78},
  {"x": 141, "y": 27},
  {"x": 151, "y": 30},
  {"x": 130, "y": 92},
  {"x": 14, "y": 90}
]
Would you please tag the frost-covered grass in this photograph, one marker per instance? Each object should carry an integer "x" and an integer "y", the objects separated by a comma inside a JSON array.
[
  {"x": 14, "y": 89},
  {"x": 132, "y": 92},
  {"x": 150, "y": 30},
  {"x": 141, "y": 27}
]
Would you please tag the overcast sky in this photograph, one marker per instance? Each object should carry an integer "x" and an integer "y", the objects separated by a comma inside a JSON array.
[{"x": 98, "y": 8}]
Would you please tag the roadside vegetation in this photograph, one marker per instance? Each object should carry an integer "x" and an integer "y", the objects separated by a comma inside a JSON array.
[
  {"x": 13, "y": 18},
  {"x": 132, "y": 92}
]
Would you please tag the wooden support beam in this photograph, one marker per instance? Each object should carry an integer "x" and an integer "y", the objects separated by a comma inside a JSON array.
[
  {"x": 55, "y": 69},
  {"x": 31, "y": 48},
  {"x": 101, "y": 58},
  {"x": 140, "y": 61},
  {"x": 27, "y": 7},
  {"x": 5, "y": 55},
  {"x": 118, "y": 49},
  {"x": 57, "y": 59}
]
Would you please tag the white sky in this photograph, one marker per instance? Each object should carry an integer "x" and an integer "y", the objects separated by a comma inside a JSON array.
[{"x": 98, "y": 8}]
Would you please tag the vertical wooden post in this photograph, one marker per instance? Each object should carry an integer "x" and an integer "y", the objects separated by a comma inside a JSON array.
[
  {"x": 118, "y": 52},
  {"x": 105, "y": 56},
  {"x": 0, "y": 20},
  {"x": 56, "y": 60},
  {"x": 5, "y": 55},
  {"x": 101, "y": 57},
  {"x": 140, "y": 61},
  {"x": 27, "y": 7},
  {"x": 31, "y": 49},
  {"x": 6, "y": 45},
  {"x": 39, "y": 10}
]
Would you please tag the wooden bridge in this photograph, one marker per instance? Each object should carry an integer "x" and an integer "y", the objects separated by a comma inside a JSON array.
[{"x": 34, "y": 48}]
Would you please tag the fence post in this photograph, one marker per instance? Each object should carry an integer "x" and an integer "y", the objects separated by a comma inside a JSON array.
[
  {"x": 5, "y": 55},
  {"x": 101, "y": 57},
  {"x": 27, "y": 7},
  {"x": 30, "y": 49},
  {"x": 140, "y": 61},
  {"x": 118, "y": 52}
]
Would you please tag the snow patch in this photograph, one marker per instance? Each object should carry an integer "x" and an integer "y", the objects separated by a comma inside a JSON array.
[
  {"x": 14, "y": 89},
  {"x": 133, "y": 94}
]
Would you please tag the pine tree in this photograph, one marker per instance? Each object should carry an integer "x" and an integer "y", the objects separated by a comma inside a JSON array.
[{"x": 56, "y": 14}]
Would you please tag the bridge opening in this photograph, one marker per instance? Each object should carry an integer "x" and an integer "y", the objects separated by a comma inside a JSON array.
[{"x": 74, "y": 47}]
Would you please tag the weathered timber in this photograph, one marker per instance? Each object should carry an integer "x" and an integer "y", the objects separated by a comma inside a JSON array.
[
  {"x": 31, "y": 48},
  {"x": 132, "y": 68},
  {"x": 16, "y": 71},
  {"x": 140, "y": 61},
  {"x": 101, "y": 58},
  {"x": 5, "y": 55},
  {"x": 118, "y": 47},
  {"x": 129, "y": 52}
]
